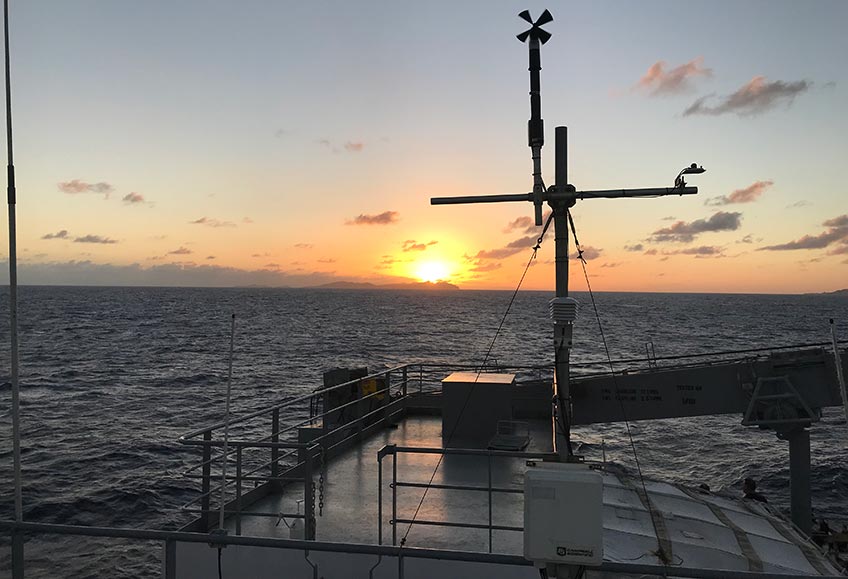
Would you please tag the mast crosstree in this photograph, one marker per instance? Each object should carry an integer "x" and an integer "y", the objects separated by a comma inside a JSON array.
[{"x": 560, "y": 198}]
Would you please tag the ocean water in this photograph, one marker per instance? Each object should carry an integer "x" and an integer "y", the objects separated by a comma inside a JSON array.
[{"x": 111, "y": 377}]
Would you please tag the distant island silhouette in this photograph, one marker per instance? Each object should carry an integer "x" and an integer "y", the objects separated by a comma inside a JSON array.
[{"x": 424, "y": 285}]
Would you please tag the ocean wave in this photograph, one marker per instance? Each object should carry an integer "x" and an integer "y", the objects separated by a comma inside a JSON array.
[{"x": 130, "y": 370}]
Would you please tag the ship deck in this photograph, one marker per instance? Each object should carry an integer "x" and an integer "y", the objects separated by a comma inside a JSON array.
[
  {"x": 389, "y": 480},
  {"x": 698, "y": 529},
  {"x": 350, "y": 511}
]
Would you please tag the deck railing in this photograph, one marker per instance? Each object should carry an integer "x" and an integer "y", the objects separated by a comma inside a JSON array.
[
  {"x": 290, "y": 442},
  {"x": 286, "y": 443},
  {"x": 391, "y": 562},
  {"x": 490, "y": 490}
]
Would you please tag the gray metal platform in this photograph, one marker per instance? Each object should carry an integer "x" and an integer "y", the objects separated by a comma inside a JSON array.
[
  {"x": 350, "y": 493},
  {"x": 697, "y": 528}
]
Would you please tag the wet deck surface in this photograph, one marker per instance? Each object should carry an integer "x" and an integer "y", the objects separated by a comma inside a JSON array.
[
  {"x": 700, "y": 529},
  {"x": 351, "y": 495}
]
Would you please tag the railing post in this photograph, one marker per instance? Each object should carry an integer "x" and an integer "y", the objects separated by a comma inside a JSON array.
[
  {"x": 17, "y": 554},
  {"x": 490, "y": 502},
  {"x": 360, "y": 409},
  {"x": 379, "y": 498},
  {"x": 394, "y": 497},
  {"x": 308, "y": 504},
  {"x": 387, "y": 398},
  {"x": 405, "y": 377},
  {"x": 206, "y": 479},
  {"x": 275, "y": 451},
  {"x": 238, "y": 490}
]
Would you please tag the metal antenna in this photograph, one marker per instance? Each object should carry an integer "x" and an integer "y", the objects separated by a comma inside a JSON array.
[
  {"x": 17, "y": 543},
  {"x": 560, "y": 198},
  {"x": 17, "y": 538}
]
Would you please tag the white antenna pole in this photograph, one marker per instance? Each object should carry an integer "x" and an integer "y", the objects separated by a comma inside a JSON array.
[
  {"x": 13, "y": 282},
  {"x": 227, "y": 423},
  {"x": 839, "y": 375}
]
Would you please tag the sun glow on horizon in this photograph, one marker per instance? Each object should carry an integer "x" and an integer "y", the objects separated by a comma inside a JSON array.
[{"x": 432, "y": 271}]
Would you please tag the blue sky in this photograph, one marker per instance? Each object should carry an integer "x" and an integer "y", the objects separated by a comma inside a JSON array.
[{"x": 250, "y": 131}]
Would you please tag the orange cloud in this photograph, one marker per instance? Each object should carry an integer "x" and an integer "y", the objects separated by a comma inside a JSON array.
[
  {"x": 837, "y": 233},
  {"x": 519, "y": 223},
  {"x": 94, "y": 239},
  {"x": 411, "y": 245},
  {"x": 588, "y": 252},
  {"x": 700, "y": 251},
  {"x": 384, "y": 218},
  {"x": 746, "y": 195},
  {"x": 212, "y": 222},
  {"x": 685, "y": 232},
  {"x": 658, "y": 80},
  {"x": 76, "y": 186},
  {"x": 511, "y": 248},
  {"x": 133, "y": 198}
]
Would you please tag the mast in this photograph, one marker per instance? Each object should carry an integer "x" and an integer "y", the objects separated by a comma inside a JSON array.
[
  {"x": 563, "y": 308},
  {"x": 17, "y": 539},
  {"x": 560, "y": 197}
]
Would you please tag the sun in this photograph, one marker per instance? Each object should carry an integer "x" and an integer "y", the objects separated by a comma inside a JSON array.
[{"x": 432, "y": 271}]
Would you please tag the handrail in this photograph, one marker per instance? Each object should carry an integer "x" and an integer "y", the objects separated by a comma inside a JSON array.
[
  {"x": 385, "y": 392},
  {"x": 325, "y": 440},
  {"x": 245, "y": 444},
  {"x": 437, "y": 365},
  {"x": 377, "y": 550},
  {"x": 454, "y": 524},
  {"x": 280, "y": 543},
  {"x": 289, "y": 402},
  {"x": 316, "y": 393},
  {"x": 392, "y": 449},
  {"x": 490, "y": 489},
  {"x": 188, "y": 439}
]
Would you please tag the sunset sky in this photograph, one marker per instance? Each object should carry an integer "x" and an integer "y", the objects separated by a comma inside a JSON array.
[{"x": 202, "y": 142}]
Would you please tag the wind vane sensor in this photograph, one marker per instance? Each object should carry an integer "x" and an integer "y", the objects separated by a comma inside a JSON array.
[{"x": 535, "y": 30}]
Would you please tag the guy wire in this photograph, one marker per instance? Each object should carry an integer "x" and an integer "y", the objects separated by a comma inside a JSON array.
[{"x": 663, "y": 557}]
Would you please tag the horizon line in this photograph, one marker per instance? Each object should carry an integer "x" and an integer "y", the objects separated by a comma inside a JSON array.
[{"x": 387, "y": 287}]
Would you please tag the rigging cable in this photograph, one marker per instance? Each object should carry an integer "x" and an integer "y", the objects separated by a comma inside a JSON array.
[
  {"x": 479, "y": 371},
  {"x": 660, "y": 553}
]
